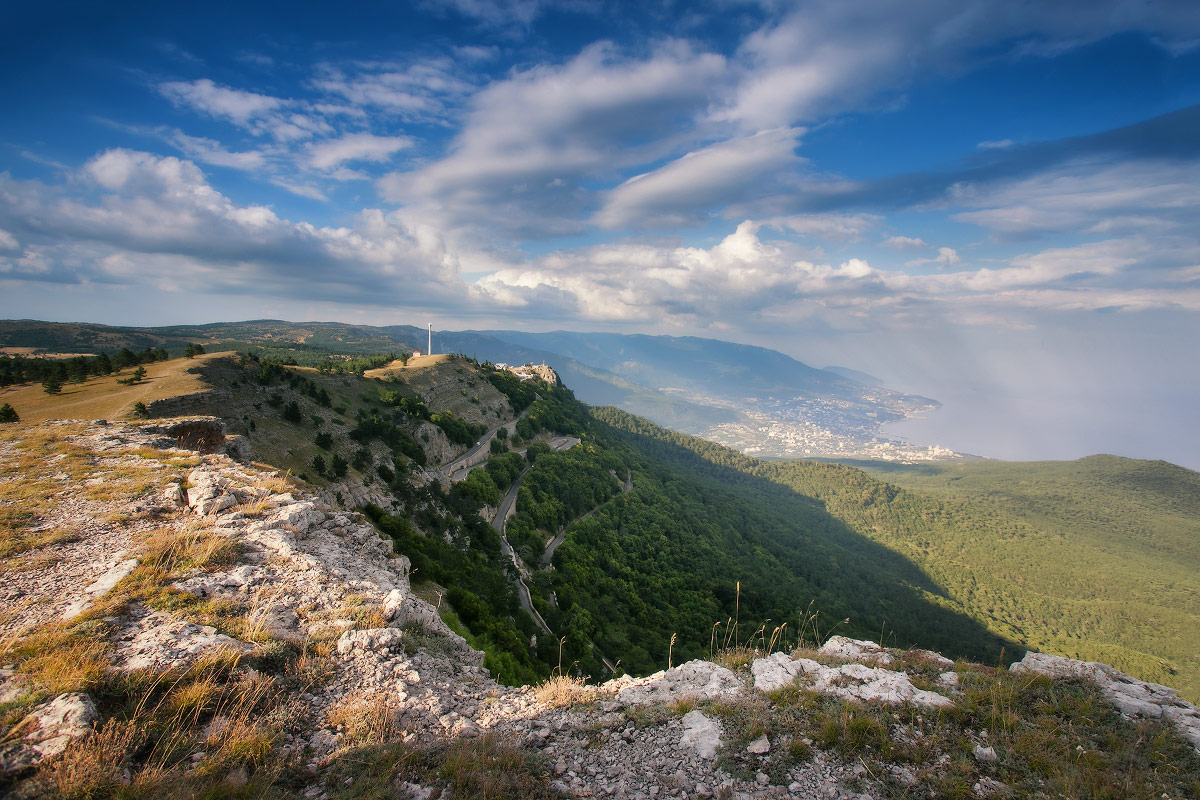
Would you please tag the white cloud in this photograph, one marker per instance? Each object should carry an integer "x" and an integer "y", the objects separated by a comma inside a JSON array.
[
  {"x": 236, "y": 105},
  {"x": 8, "y": 241},
  {"x": 947, "y": 257},
  {"x": 423, "y": 90},
  {"x": 589, "y": 117},
  {"x": 258, "y": 113},
  {"x": 700, "y": 181},
  {"x": 836, "y": 227},
  {"x": 1130, "y": 196},
  {"x": 159, "y": 216},
  {"x": 999, "y": 144},
  {"x": 903, "y": 243},
  {"x": 210, "y": 151},
  {"x": 300, "y": 189},
  {"x": 831, "y": 56},
  {"x": 355, "y": 147}
]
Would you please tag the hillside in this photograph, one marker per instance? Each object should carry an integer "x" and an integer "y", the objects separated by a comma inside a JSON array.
[
  {"x": 1095, "y": 559},
  {"x": 183, "y": 625},
  {"x": 750, "y": 398}
]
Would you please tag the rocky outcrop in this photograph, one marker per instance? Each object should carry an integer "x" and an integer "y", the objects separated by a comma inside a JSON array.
[
  {"x": 1132, "y": 697},
  {"x": 848, "y": 681},
  {"x": 692, "y": 680},
  {"x": 46, "y": 731}
]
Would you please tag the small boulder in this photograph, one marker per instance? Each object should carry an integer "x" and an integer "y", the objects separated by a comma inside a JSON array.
[
  {"x": 701, "y": 734},
  {"x": 694, "y": 679},
  {"x": 985, "y": 755},
  {"x": 372, "y": 639},
  {"x": 856, "y": 649}
]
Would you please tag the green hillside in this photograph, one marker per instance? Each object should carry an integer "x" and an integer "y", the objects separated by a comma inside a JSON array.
[{"x": 1096, "y": 559}]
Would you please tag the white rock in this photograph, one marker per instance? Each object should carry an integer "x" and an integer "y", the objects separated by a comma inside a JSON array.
[
  {"x": 986, "y": 755},
  {"x": 948, "y": 679},
  {"x": 694, "y": 679},
  {"x": 779, "y": 670},
  {"x": 1132, "y": 697},
  {"x": 101, "y": 586},
  {"x": 53, "y": 725},
  {"x": 371, "y": 639},
  {"x": 857, "y": 649},
  {"x": 701, "y": 734},
  {"x": 760, "y": 746}
]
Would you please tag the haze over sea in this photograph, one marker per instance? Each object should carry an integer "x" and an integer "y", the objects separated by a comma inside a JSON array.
[{"x": 987, "y": 203}]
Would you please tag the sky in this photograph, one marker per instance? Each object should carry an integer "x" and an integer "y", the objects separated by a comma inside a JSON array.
[{"x": 989, "y": 202}]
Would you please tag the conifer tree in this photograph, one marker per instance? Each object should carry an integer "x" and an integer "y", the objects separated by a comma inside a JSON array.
[{"x": 9, "y": 414}]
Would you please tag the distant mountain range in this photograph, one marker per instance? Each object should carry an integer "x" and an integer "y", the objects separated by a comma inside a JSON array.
[{"x": 752, "y": 398}]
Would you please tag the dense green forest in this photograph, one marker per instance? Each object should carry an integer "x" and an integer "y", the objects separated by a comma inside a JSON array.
[{"x": 1096, "y": 559}]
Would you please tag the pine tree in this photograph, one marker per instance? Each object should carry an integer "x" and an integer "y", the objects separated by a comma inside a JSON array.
[
  {"x": 52, "y": 385},
  {"x": 8, "y": 414}
]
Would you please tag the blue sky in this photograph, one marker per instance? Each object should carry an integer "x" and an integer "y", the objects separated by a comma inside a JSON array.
[{"x": 992, "y": 203}]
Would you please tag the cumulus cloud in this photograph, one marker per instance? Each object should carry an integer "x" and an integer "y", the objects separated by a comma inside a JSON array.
[
  {"x": 331, "y": 153},
  {"x": 745, "y": 275},
  {"x": 159, "y": 215}
]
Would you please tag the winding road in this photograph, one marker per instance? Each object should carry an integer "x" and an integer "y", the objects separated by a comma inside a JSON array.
[{"x": 503, "y": 512}]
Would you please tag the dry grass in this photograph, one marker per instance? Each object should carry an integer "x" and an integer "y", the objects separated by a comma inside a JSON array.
[
  {"x": 103, "y": 397},
  {"x": 195, "y": 548},
  {"x": 564, "y": 690},
  {"x": 365, "y": 719},
  {"x": 314, "y": 666},
  {"x": 93, "y": 766},
  {"x": 414, "y": 365}
]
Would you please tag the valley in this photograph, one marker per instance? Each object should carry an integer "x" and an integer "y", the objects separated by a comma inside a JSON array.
[{"x": 555, "y": 538}]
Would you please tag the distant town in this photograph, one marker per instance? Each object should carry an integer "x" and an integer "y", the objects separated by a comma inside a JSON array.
[{"x": 820, "y": 427}]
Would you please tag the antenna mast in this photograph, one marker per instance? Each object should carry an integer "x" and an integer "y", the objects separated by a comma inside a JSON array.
[{"x": 429, "y": 348}]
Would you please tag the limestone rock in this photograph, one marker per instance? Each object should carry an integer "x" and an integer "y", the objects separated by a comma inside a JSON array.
[
  {"x": 694, "y": 679},
  {"x": 101, "y": 586},
  {"x": 701, "y": 734},
  {"x": 372, "y": 639},
  {"x": 49, "y": 728},
  {"x": 851, "y": 681},
  {"x": 856, "y": 649},
  {"x": 779, "y": 670},
  {"x": 760, "y": 746},
  {"x": 985, "y": 755}
]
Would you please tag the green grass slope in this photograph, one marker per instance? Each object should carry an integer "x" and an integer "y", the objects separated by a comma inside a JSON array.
[{"x": 1097, "y": 558}]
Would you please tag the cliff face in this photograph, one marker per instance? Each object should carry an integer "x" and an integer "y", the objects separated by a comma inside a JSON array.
[{"x": 179, "y": 624}]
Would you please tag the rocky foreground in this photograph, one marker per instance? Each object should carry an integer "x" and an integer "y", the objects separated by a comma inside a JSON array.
[{"x": 274, "y": 641}]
